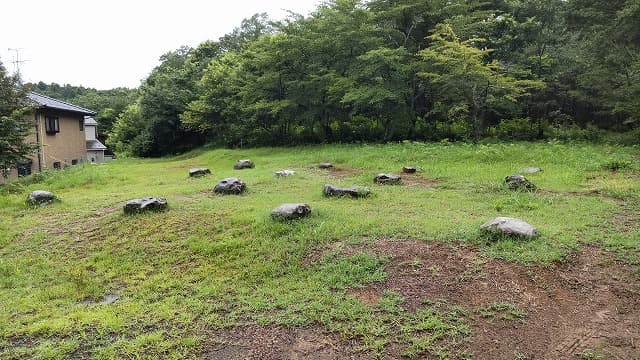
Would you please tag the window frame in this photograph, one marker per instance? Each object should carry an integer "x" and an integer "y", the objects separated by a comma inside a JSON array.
[{"x": 51, "y": 125}]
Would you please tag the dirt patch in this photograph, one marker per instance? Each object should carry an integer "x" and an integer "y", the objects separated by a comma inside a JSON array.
[
  {"x": 338, "y": 172},
  {"x": 589, "y": 303},
  {"x": 186, "y": 166},
  {"x": 417, "y": 181},
  {"x": 276, "y": 342}
]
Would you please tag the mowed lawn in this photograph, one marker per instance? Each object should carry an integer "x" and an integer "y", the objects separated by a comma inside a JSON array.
[{"x": 79, "y": 279}]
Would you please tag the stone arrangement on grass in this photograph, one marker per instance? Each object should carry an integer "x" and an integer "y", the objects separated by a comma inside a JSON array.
[
  {"x": 196, "y": 172},
  {"x": 40, "y": 198},
  {"x": 233, "y": 186},
  {"x": 507, "y": 226},
  {"x": 411, "y": 169},
  {"x": 244, "y": 164},
  {"x": 500, "y": 226},
  {"x": 145, "y": 204},
  {"x": 387, "y": 179},
  {"x": 291, "y": 211},
  {"x": 519, "y": 182},
  {"x": 353, "y": 191},
  {"x": 284, "y": 173}
]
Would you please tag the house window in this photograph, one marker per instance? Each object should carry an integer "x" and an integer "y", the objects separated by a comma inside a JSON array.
[
  {"x": 57, "y": 165},
  {"x": 52, "y": 125},
  {"x": 74, "y": 162},
  {"x": 81, "y": 123},
  {"x": 24, "y": 167}
]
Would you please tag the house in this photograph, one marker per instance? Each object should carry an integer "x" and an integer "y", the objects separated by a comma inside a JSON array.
[
  {"x": 95, "y": 149},
  {"x": 59, "y": 132}
]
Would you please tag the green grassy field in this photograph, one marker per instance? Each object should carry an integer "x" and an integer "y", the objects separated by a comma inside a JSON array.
[{"x": 214, "y": 261}]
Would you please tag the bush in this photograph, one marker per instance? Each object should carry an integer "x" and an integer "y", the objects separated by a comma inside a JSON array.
[
  {"x": 518, "y": 129},
  {"x": 616, "y": 164},
  {"x": 576, "y": 133},
  {"x": 17, "y": 186}
]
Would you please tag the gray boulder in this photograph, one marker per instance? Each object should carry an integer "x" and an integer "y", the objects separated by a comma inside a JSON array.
[
  {"x": 353, "y": 191},
  {"x": 529, "y": 170},
  {"x": 244, "y": 164},
  {"x": 509, "y": 227},
  {"x": 411, "y": 169},
  {"x": 145, "y": 204},
  {"x": 291, "y": 211},
  {"x": 232, "y": 185},
  {"x": 323, "y": 165},
  {"x": 389, "y": 179},
  {"x": 199, "y": 172},
  {"x": 519, "y": 182},
  {"x": 40, "y": 198}
]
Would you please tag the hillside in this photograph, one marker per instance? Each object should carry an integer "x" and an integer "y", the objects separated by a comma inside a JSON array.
[{"x": 403, "y": 272}]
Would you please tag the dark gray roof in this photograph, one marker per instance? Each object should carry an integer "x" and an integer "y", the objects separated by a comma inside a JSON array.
[
  {"x": 95, "y": 145},
  {"x": 44, "y": 101},
  {"x": 89, "y": 120}
]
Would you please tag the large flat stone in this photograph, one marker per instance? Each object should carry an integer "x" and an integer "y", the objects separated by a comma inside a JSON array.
[
  {"x": 232, "y": 185},
  {"x": 291, "y": 211},
  {"x": 145, "y": 204},
  {"x": 40, "y": 198},
  {"x": 353, "y": 191},
  {"x": 509, "y": 227}
]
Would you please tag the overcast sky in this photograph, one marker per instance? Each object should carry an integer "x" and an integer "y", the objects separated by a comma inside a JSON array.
[{"x": 107, "y": 44}]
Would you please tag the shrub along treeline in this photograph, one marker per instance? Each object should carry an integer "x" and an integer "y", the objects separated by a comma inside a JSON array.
[{"x": 385, "y": 70}]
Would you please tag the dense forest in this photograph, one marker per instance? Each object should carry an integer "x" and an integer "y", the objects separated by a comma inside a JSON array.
[{"x": 389, "y": 70}]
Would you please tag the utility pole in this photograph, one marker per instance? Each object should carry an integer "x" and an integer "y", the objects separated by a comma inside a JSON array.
[{"x": 16, "y": 60}]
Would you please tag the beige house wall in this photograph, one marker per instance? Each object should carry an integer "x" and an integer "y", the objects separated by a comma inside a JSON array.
[{"x": 65, "y": 146}]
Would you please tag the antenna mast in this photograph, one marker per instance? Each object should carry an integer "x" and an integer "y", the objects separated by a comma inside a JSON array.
[{"x": 16, "y": 60}]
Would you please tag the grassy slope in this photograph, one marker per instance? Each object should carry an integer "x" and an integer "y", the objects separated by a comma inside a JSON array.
[{"x": 215, "y": 261}]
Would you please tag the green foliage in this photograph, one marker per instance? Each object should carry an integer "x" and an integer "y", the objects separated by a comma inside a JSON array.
[
  {"x": 590, "y": 354},
  {"x": 15, "y": 122},
  {"x": 465, "y": 80},
  {"x": 617, "y": 164},
  {"x": 517, "y": 129},
  {"x": 384, "y": 70},
  {"x": 129, "y": 135}
]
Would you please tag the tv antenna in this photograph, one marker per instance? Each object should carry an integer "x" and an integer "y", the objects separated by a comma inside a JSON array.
[{"x": 16, "y": 60}]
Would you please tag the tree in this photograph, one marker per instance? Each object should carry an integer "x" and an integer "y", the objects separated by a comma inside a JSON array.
[
  {"x": 467, "y": 85},
  {"x": 164, "y": 95},
  {"x": 15, "y": 124},
  {"x": 129, "y": 135},
  {"x": 215, "y": 112},
  {"x": 607, "y": 44},
  {"x": 378, "y": 88}
]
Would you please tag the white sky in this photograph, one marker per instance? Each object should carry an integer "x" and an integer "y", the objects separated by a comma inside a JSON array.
[{"x": 111, "y": 43}]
